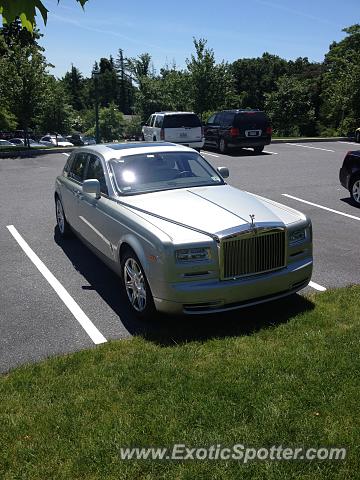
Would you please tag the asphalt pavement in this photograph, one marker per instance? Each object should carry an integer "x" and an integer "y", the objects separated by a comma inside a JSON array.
[{"x": 36, "y": 323}]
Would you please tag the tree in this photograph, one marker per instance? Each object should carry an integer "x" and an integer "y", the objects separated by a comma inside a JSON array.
[
  {"x": 126, "y": 89},
  {"x": 22, "y": 80},
  {"x": 256, "y": 76},
  {"x": 211, "y": 85},
  {"x": 111, "y": 124},
  {"x": 73, "y": 83},
  {"x": 290, "y": 107},
  {"x": 341, "y": 83},
  {"x": 26, "y": 10},
  {"x": 57, "y": 115}
]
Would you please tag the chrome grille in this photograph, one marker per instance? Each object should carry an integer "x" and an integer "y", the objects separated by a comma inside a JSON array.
[{"x": 252, "y": 253}]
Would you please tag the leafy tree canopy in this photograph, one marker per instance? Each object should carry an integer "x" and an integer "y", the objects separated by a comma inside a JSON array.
[{"x": 26, "y": 10}]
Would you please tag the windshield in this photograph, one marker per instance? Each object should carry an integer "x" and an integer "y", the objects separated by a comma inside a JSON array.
[
  {"x": 181, "y": 120},
  {"x": 150, "y": 172}
]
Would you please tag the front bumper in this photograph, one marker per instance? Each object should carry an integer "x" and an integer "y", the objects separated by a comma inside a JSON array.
[
  {"x": 344, "y": 177},
  {"x": 216, "y": 296},
  {"x": 248, "y": 142}
]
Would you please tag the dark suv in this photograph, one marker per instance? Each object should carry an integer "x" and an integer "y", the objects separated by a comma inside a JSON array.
[
  {"x": 238, "y": 129},
  {"x": 350, "y": 175}
]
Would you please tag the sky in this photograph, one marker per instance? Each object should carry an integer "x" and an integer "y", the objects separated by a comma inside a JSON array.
[{"x": 234, "y": 29}]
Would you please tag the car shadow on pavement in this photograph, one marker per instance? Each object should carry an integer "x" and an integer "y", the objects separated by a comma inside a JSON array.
[
  {"x": 239, "y": 152},
  {"x": 166, "y": 330}
]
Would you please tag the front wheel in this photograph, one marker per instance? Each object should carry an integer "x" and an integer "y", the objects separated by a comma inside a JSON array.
[
  {"x": 355, "y": 191},
  {"x": 357, "y": 137},
  {"x": 136, "y": 286},
  {"x": 258, "y": 149}
]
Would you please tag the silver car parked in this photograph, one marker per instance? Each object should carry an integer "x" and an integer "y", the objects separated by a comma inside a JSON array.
[{"x": 181, "y": 239}]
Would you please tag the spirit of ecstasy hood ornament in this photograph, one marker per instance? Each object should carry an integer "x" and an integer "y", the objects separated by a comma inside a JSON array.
[{"x": 252, "y": 225}]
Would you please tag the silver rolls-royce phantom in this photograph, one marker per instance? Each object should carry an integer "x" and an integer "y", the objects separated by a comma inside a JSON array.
[{"x": 181, "y": 238}]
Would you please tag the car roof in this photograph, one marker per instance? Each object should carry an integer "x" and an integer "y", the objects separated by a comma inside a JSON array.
[
  {"x": 117, "y": 150},
  {"x": 243, "y": 110},
  {"x": 174, "y": 113}
]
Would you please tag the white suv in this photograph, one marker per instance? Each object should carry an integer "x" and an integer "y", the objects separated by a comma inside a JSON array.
[{"x": 179, "y": 127}]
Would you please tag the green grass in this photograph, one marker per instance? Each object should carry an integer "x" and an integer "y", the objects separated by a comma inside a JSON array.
[{"x": 293, "y": 382}]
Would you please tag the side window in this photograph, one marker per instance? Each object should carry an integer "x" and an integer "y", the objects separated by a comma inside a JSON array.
[
  {"x": 218, "y": 119},
  {"x": 147, "y": 124},
  {"x": 95, "y": 170},
  {"x": 68, "y": 166},
  {"x": 78, "y": 167},
  {"x": 159, "y": 121},
  {"x": 152, "y": 120},
  {"x": 211, "y": 120}
]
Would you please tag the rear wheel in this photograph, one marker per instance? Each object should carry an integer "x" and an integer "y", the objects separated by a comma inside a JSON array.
[
  {"x": 222, "y": 145},
  {"x": 258, "y": 149},
  {"x": 357, "y": 137},
  {"x": 136, "y": 286},
  {"x": 62, "y": 223},
  {"x": 355, "y": 191}
]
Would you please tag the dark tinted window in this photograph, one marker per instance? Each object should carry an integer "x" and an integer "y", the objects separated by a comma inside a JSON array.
[
  {"x": 95, "y": 171},
  {"x": 255, "y": 119},
  {"x": 78, "y": 167},
  {"x": 227, "y": 119},
  {"x": 159, "y": 121},
  {"x": 178, "y": 121},
  {"x": 211, "y": 120}
]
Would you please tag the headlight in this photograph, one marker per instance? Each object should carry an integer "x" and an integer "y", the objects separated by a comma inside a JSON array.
[
  {"x": 297, "y": 236},
  {"x": 191, "y": 254}
]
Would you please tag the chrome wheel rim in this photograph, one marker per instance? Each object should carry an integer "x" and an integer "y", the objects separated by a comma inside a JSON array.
[
  {"x": 356, "y": 191},
  {"x": 60, "y": 216},
  {"x": 135, "y": 285}
]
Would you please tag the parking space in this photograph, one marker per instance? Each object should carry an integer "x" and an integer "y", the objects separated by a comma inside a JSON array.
[{"x": 48, "y": 297}]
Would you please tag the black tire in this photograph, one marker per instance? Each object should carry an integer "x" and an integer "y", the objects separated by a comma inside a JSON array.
[
  {"x": 258, "y": 150},
  {"x": 62, "y": 224},
  {"x": 222, "y": 146},
  {"x": 354, "y": 190},
  {"x": 141, "y": 305},
  {"x": 142, "y": 137},
  {"x": 357, "y": 137}
]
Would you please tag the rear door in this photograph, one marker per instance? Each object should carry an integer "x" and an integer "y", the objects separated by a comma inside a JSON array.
[
  {"x": 184, "y": 128},
  {"x": 252, "y": 124},
  {"x": 72, "y": 188}
]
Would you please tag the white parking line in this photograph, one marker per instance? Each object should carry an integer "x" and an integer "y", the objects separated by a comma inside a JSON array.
[
  {"x": 272, "y": 153},
  {"x": 320, "y": 206},
  {"x": 67, "y": 154},
  {"x": 317, "y": 287},
  {"x": 347, "y": 143},
  {"x": 74, "y": 308},
  {"x": 211, "y": 154},
  {"x": 307, "y": 146}
]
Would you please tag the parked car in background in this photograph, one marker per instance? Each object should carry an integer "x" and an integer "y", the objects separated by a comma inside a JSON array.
[
  {"x": 55, "y": 141},
  {"x": 238, "y": 129},
  {"x": 81, "y": 140},
  {"x": 21, "y": 142},
  {"x": 350, "y": 175},
  {"x": 182, "y": 240},
  {"x": 357, "y": 135},
  {"x": 6, "y": 143},
  {"x": 183, "y": 128}
]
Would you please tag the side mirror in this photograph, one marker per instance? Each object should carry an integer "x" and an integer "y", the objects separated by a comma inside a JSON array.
[
  {"x": 92, "y": 187},
  {"x": 224, "y": 171}
]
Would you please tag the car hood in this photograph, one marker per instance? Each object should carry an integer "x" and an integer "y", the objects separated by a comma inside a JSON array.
[{"x": 213, "y": 209}]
